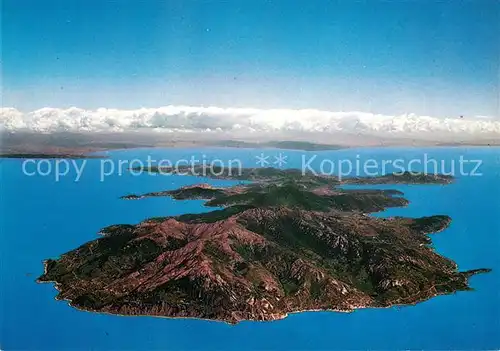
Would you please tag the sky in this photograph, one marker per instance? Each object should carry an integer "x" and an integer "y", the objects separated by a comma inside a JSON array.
[{"x": 435, "y": 58}]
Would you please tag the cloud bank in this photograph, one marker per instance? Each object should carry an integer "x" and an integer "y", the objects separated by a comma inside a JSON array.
[{"x": 246, "y": 120}]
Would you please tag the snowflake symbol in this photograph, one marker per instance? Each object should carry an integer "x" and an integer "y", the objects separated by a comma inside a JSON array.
[
  {"x": 280, "y": 160},
  {"x": 262, "y": 160}
]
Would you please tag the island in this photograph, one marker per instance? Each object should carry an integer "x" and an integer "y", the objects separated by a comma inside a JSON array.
[{"x": 275, "y": 243}]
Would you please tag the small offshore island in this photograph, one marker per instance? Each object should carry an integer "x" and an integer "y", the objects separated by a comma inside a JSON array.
[{"x": 283, "y": 242}]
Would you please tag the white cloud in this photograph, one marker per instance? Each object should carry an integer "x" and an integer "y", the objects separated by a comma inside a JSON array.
[{"x": 214, "y": 119}]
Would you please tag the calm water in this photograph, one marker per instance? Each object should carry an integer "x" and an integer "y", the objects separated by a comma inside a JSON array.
[{"x": 42, "y": 218}]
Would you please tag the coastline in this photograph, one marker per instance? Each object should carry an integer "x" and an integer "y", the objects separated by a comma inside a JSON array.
[
  {"x": 94, "y": 154},
  {"x": 281, "y": 316},
  {"x": 469, "y": 273}
]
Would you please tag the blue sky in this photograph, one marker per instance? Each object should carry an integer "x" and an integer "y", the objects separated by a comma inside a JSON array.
[{"x": 428, "y": 57}]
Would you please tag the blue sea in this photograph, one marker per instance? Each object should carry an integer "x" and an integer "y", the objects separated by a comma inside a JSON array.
[{"x": 42, "y": 218}]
